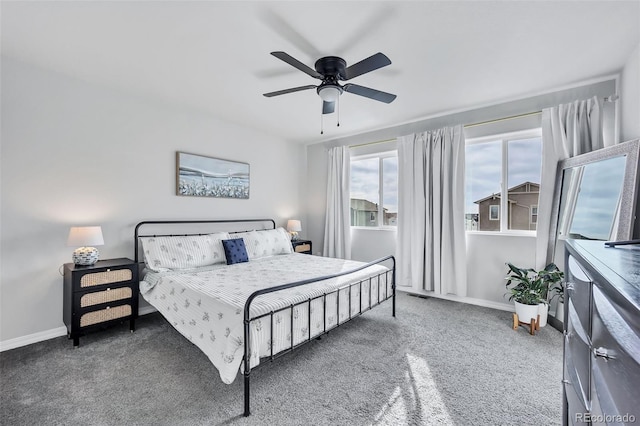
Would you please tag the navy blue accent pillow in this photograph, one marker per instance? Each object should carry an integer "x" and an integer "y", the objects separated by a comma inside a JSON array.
[{"x": 235, "y": 251}]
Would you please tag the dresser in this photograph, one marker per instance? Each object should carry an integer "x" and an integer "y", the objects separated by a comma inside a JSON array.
[
  {"x": 99, "y": 295},
  {"x": 601, "y": 376}
]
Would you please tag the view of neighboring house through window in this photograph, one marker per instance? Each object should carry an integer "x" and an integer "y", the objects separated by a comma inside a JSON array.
[
  {"x": 502, "y": 182},
  {"x": 374, "y": 190}
]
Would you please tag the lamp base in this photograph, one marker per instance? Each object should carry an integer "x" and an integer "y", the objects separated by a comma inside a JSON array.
[{"x": 85, "y": 256}]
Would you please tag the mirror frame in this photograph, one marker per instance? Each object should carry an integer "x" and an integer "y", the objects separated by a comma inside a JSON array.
[{"x": 626, "y": 212}]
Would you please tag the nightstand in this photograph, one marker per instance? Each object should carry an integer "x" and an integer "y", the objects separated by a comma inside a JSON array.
[
  {"x": 98, "y": 295},
  {"x": 302, "y": 246}
]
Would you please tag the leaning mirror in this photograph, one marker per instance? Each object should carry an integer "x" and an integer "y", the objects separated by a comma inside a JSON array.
[{"x": 595, "y": 198}]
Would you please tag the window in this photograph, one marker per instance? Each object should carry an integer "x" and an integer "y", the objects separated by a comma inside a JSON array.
[
  {"x": 502, "y": 182},
  {"x": 374, "y": 190},
  {"x": 494, "y": 212}
]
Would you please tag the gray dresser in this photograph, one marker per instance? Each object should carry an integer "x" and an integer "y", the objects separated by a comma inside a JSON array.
[{"x": 602, "y": 334}]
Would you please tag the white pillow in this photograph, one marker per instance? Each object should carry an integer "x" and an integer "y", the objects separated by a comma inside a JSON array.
[
  {"x": 181, "y": 252},
  {"x": 266, "y": 243}
]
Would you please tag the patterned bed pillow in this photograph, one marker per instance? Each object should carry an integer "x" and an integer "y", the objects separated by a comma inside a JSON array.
[
  {"x": 182, "y": 252},
  {"x": 235, "y": 251},
  {"x": 266, "y": 243}
]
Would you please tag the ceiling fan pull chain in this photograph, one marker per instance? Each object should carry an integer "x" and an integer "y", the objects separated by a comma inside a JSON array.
[
  {"x": 321, "y": 124},
  {"x": 338, "y": 102}
]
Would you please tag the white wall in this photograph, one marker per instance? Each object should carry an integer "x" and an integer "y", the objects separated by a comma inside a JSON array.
[
  {"x": 315, "y": 200},
  {"x": 74, "y": 153},
  {"x": 371, "y": 244},
  {"x": 486, "y": 263},
  {"x": 630, "y": 97}
]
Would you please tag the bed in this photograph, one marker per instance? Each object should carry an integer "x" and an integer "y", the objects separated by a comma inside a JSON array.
[{"x": 244, "y": 296}]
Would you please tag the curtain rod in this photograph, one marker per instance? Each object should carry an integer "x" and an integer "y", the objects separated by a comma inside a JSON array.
[
  {"x": 372, "y": 143},
  {"x": 497, "y": 120},
  {"x": 611, "y": 98}
]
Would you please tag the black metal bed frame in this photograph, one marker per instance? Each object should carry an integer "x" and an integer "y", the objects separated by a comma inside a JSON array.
[{"x": 247, "y": 316}]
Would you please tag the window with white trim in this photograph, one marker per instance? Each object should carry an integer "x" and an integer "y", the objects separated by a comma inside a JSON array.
[
  {"x": 374, "y": 178},
  {"x": 534, "y": 214},
  {"x": 502, "y": 182},
  {"x": 494, "y": 212}
]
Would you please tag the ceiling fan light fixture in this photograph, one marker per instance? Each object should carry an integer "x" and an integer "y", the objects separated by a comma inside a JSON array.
[{"x": 329, "y": 93}]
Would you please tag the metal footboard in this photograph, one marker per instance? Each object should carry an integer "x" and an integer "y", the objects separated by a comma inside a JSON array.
[{"x": 367, "y": 281}]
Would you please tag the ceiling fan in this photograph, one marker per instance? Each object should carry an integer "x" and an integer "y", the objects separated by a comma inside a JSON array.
[{"x": 331, "y": 70}]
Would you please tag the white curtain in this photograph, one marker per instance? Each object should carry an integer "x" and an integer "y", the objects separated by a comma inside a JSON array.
[
  {"x": 431, "y": 250},
  {"x": 567, "y": 130},
  {"x": 337, "y": 229}
]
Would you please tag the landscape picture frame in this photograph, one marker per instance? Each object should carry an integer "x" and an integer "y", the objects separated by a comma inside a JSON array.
[{"x": 204, "y": 176}]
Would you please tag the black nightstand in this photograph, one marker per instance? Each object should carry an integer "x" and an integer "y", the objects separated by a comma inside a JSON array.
[
  {"x": 99, "y": 295},
  {"x": 302, "y": 246}
]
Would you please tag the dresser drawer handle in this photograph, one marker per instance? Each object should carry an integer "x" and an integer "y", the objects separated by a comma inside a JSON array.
[{"x": 108, "y": 307}]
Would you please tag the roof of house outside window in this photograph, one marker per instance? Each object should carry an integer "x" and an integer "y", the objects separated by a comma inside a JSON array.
[{"x": 525, "y": 187}]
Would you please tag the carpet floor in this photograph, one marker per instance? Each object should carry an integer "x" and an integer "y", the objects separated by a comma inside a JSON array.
[{"x": 438, "y": 362}]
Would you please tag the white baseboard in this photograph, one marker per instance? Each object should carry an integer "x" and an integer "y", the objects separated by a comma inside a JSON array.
[
  {"x": 32, "y": 338},
  {"x": 50, "y": 334},
  {"x": 470, "y": 300}
]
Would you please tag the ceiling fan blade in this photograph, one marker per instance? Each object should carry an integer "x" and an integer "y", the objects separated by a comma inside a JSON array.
[
  {"x": 328, "y": 107},
  {"x": 297, "y": 64},
  {"x": 380, "y": 16},
  {"x": 288, "y": 32},
  {"x": 369, "y": 93},
  {"x": 285, "y": 91},
  {"x": 373, "y": 62}
]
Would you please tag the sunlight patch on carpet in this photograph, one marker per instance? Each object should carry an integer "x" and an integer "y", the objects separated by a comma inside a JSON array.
[
  {"x": 427, "y": 401},
  {"x": 418, "y": 400},
  {"x": 393, "y": 410}
]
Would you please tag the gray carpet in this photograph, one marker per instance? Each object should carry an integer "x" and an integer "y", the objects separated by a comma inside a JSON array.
[{"x": 437, "y": 362}]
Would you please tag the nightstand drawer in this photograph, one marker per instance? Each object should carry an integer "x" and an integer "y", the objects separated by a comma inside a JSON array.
[
  {"x": 104, "y": 315},
  {"x": 106, "y": 296},
  {"x": 302, "y": 248},
  {"x": 105, "y": 277}
]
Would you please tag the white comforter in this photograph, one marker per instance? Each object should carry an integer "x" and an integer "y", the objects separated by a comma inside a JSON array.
[{"x": 206, "y": 304}]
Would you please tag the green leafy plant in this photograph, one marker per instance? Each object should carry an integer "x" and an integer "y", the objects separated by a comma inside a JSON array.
[
  {"x": 558, "y": 291},
  {"x": 531, "y": 287}
]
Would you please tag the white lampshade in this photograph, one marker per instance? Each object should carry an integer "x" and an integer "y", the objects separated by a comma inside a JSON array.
[
  {"x": 294, "y": 226},
  {"x": 329, "y": 93},
  {"x": 85, "y": 237}
]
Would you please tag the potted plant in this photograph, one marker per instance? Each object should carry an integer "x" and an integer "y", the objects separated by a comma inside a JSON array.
[{"x": 529, "y": 289}]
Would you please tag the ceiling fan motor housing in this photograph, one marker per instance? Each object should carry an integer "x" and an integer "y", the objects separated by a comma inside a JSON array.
[{"x": 332, "y": 66}]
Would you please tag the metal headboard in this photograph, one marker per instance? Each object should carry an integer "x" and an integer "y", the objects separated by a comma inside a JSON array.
[{"x": 171, "y": 224}]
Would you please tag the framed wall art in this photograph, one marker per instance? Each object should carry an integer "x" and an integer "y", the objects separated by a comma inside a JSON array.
[{"x": 201, "y": 176}]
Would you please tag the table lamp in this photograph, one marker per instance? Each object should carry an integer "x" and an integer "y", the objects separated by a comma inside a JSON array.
[
  {"x": 85, "y": 237},
  {"x": 293, "y": 226}
]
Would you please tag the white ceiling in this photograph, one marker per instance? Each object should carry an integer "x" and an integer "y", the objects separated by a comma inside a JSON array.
[{"x": 214, "y": 56}]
